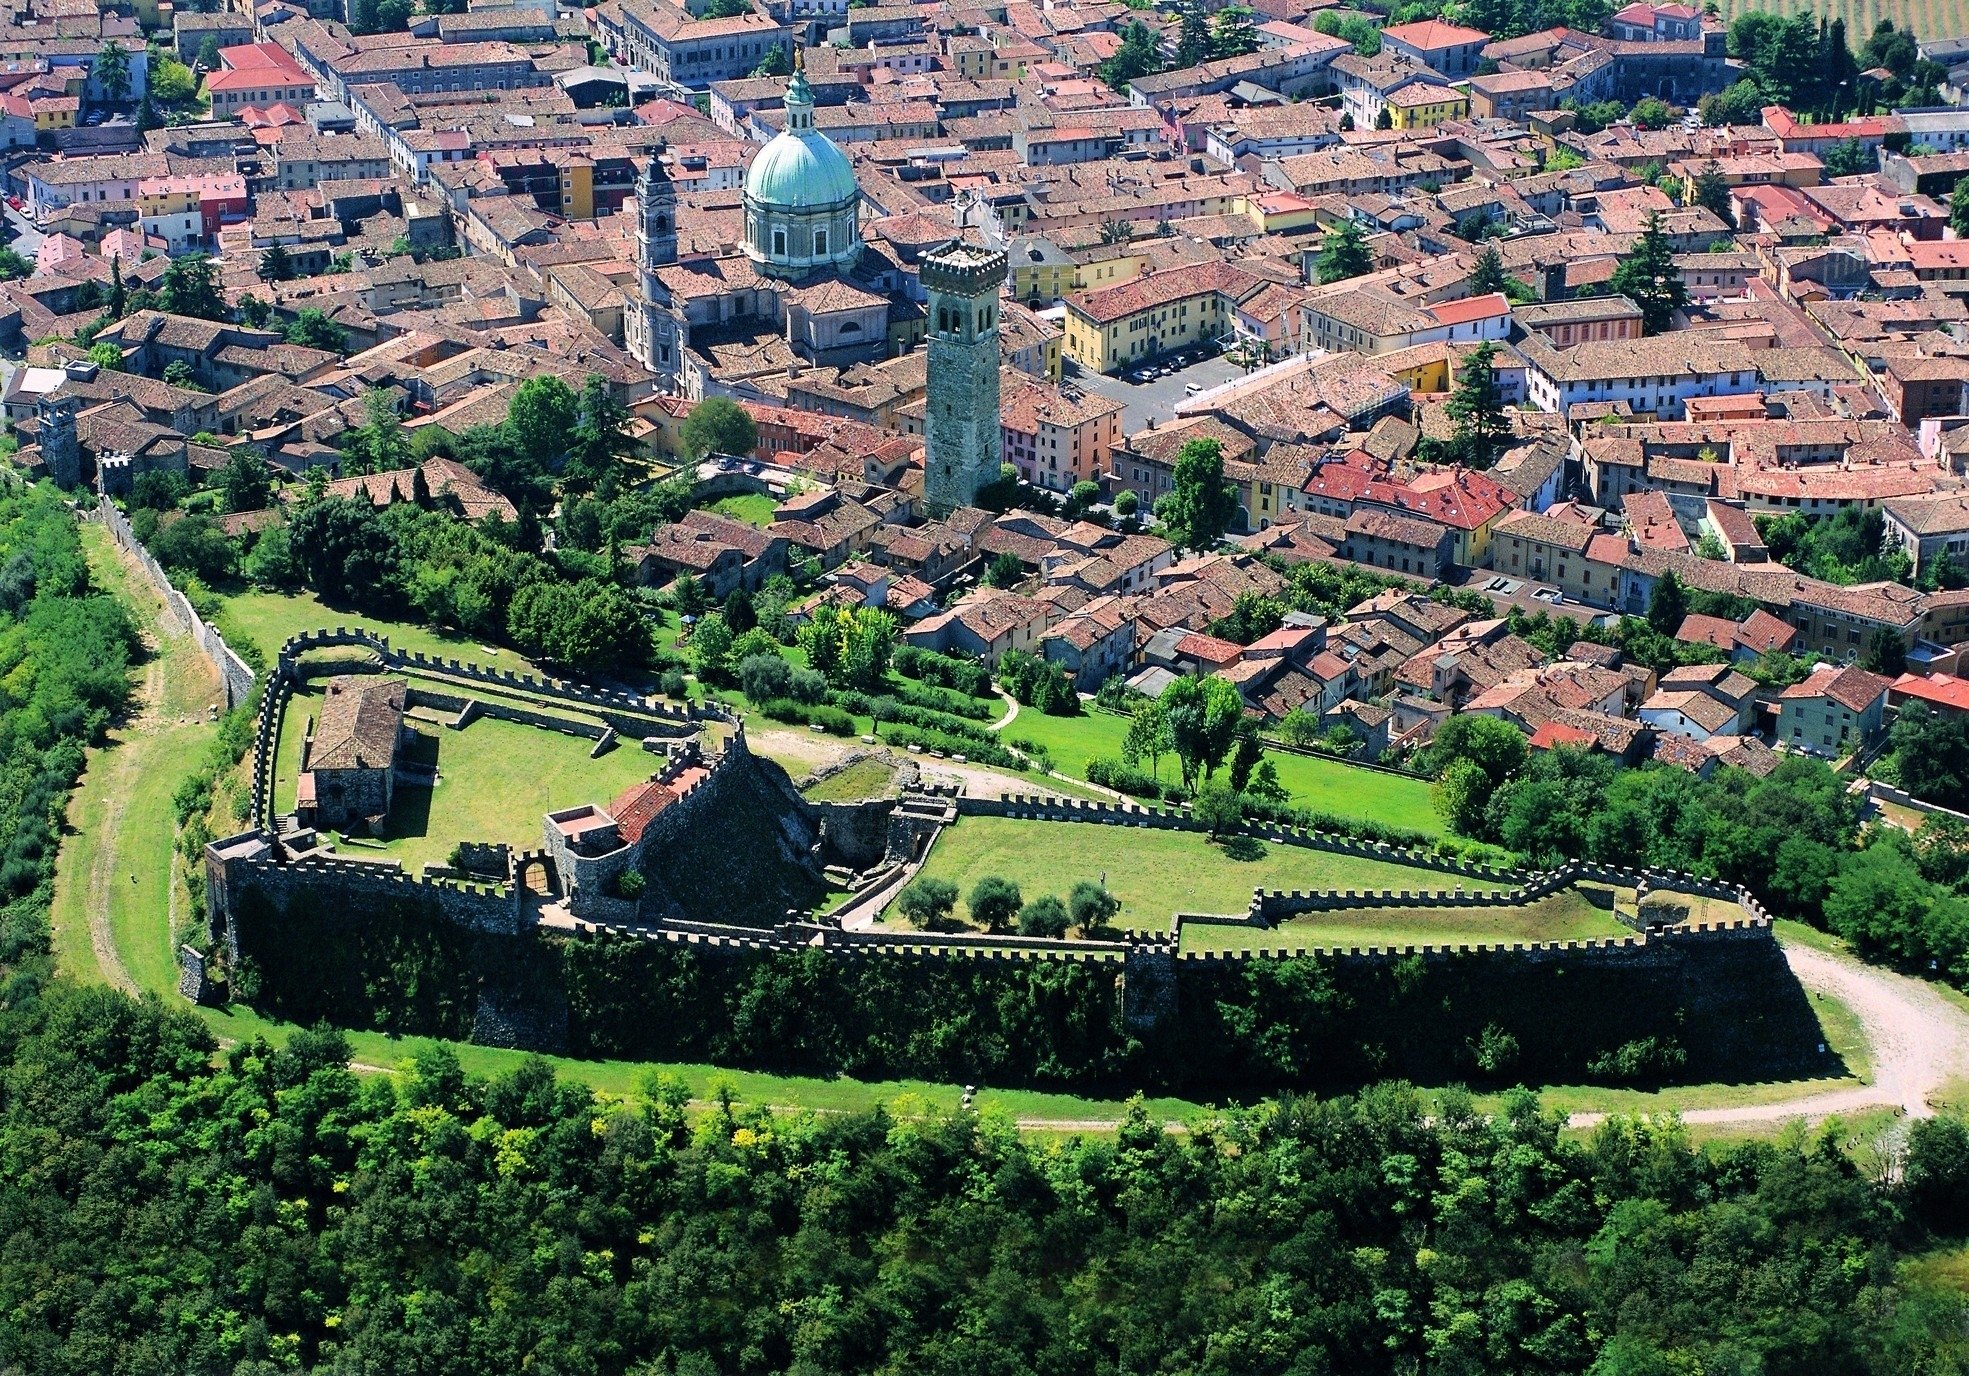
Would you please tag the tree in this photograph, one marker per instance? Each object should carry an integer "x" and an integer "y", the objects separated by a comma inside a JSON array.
[
  {"x": 1232, "y": 33},
  {"x": 1668, "y": 605},
  {"x": 718, "y": 425},
  {"x": 208, "y": 53},
  {"x": 1461, "y": 795},
  {"x": 1200, "y": 505},
  {"x": 1091, "y": 906},
  {"x": 190, "y": 286},
  {"x": 851, "y": 647},
  {"x": 119, "y": 295},
  {"x": 1958, "y": 208},
  {"x": 994, "y": 902},
  {"x": 1885, "y": 653},
  {"x": 245, "y": 482},
  {"x": 1850, "y": 158},
  {"x": 1651, "y": 112},
  {"x": 1193, "y": 35},
  {"x": 13, "y": 266},
  {"x": 106, "y": 355},
  {"x": 1203, "y": 718},
  {"x": 312, "y": 329},
  {"x": 601, "y": 436},
  {"x": 377, "y": 444},
  {"x": 1742, "y": 103},
  {"x": 1246, "y": 756},
  {"x": 1494, "y": 746},
  {"x": 1140, "y": 54},
  {"x": 1936, "y": 1177},
  {"x": 1648, "y": 277},
  {"x": 112, "y": 71},
  {"x": 1148, "y": 738},
  {"x": 1488, "y": 274},
  {"x": 1477, "y": 406},
  {"x": 1005, "y": 571},
  {"x": 276, "y": 264},
  {"x": 1218, "y": 807},
  {"x": 775, "y": 63},
  {"x": 926, "y": 901},
  {"x": 179, "y": 373},
  {"x": 542, "y": 417},
  {"x": 1344, "y": 253},
  {"x": 1044, "y": 916},
  {"x": 1712, "y": 193},
  {"x": 171, "y": 81}
]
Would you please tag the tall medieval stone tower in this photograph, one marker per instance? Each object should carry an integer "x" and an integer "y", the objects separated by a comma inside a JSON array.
[
  {"x": 656, "y": 247},
  {"x": 962, "y": 445}
]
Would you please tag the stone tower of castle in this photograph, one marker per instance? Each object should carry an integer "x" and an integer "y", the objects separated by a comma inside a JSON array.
[
  {"x": 656, "y": 247},
  {"x": 962, "y": 445},
  {"x": 61, "y": 450}
]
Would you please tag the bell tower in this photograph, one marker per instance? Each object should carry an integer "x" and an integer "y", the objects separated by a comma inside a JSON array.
[
  {"x": 656, "y": 247},
  {"x": 962, "y": 443}
]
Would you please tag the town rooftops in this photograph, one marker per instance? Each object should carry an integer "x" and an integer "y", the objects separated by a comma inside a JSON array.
[{"x": 1852, "y": 688}]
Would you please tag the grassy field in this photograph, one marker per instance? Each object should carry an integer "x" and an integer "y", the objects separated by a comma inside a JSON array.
[
  {"x": 753, "y": 508},
  {"x": 868, "y": 778},
  {"x": 1564, "y": 916},
  {"x": 495, "y": 781},
  {"x": 1153, "y": 873},
  {"x": 1928, "y": 18},
  {"x": 267, "y": 619},
  {"x": 117, "y": 852},
  {"x": 1323, "y": 784}
]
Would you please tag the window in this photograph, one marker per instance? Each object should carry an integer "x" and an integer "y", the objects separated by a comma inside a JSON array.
[
  {"x": 779, "y": 241},
  {"x": 820, "y": 242}
]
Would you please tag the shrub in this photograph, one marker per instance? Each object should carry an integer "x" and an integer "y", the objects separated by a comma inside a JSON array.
[
  {"x": 1091, "y": 906},
  {"x": 1122, "y": 779},
  {"x": 1219, "y": 807},
  {"x": 994, "y": 902},
  {"x": 967, "y": 676},
  {"x": 672, "y": 685},
  {"x": 807, "y": 685},
  {"x": 832, "y": 720},
  {"x": 985, "y": 751},
  {"x": 926, "y": 900},
  {"x": 629, "y": 884},
  {"x": 764, "y": 676},
  {"x": 1045, "y": 916},
  {"x": 1643, "y": 1060}
]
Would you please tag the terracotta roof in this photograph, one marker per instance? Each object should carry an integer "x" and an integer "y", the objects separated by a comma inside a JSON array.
[{"x": 360, "y": 718}]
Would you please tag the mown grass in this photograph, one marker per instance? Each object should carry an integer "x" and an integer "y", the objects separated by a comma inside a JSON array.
[
  {"x": 1325, "y": 785},
  {"x": 269, "y": 619},
  {"x": 1155, "y": 873},
  {"x": 868, "y": 778},
  {"x": 753, "y": 508},
  {"x": 497, "y": 780},
  {"x": 1564, "y": 916}
]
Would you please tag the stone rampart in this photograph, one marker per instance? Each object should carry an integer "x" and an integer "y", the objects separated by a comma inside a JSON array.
[{"x": 235, "y": 676}]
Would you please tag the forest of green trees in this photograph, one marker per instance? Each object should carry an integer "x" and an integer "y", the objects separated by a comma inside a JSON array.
[{"x": 169, "y": 1209}]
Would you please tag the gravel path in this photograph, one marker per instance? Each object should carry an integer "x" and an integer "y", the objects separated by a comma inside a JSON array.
[{"x": 1918, "y": 1041}]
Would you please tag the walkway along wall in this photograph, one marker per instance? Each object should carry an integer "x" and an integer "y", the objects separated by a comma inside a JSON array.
[{"x": 234, "y": 675}]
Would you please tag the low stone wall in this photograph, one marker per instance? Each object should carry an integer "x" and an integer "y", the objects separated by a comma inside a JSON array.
[
  {"x": 235, "y": 677},
  {"x": 1887, "y": 793},
  {"x": 1748, "y": 930},
  {"x": 1271, "y": 905}
]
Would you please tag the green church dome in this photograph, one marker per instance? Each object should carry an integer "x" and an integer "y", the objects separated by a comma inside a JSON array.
[{"x": 800, "y": 168}]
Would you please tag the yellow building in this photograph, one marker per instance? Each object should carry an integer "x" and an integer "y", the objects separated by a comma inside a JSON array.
[
  {"x": 1424, "y": 105},
  {"x": 54, "y": 112},
  {"x": 577, "y": 174},
  {"x": 1113, "y": 327},
  {"x": 1040, "y": 273},
  {"x": 1276, "y": 212}
]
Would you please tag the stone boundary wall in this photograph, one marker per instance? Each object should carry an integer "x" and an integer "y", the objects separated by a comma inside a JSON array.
[
  {"x": 235, "y": 677},
  {"x": 1024, "y": 807},
  {"x": 501, "y": 711},
  {"x": 1269, "y": 905},
  {"x": 1887, "y": 793},
  {"x": 596, "y": 700},
  {"x": 1749, "y": 929}
]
